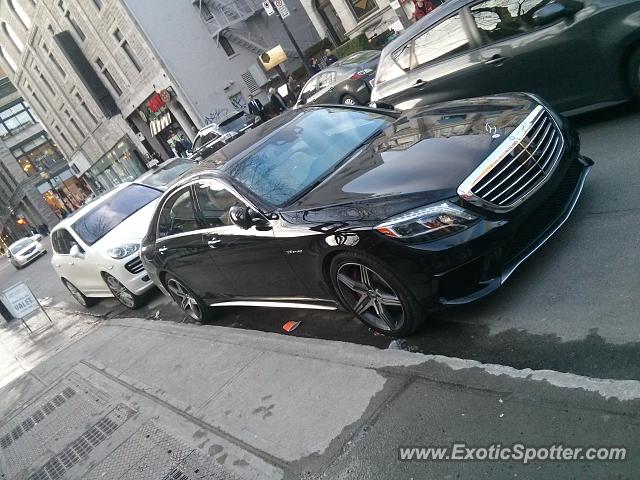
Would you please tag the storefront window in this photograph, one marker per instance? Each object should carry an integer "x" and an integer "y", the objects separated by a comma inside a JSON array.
[
  {"x": 361, "y": 8},
  {"x": 121, "y": 164},
  {"x": 38, "y": 154}
]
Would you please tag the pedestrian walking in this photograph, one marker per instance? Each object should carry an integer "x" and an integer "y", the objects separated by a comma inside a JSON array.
[
  {"x": 277, "y": 102},
  {"x": 294, "y": 88},
  {"x": 185, "y": 142},
  {"x": 256, "y": 108}
]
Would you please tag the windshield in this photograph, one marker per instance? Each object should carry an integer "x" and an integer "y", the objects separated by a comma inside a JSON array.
[
  {"x": 304, "y": 151},
  {"x": 167, "y": 173},
  {"x": 233, "y": 124},
  {"x": 19, "y": 245},
  {"x": 104, "y": 218}
]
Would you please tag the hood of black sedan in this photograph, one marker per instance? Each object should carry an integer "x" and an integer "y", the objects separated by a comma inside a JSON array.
[{"x": 421, "y": 158}]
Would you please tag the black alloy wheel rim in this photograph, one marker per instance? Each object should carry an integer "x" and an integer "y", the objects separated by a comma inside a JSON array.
[
  {"x": 370, "y": 296},
  {"x": 186, "y": 300},
  {"x": 121, "y": 293},
  {"x": 76, "y": 294}
]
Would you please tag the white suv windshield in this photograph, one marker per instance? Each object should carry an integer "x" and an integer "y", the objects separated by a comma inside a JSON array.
[{"x": 104, "y": 218}]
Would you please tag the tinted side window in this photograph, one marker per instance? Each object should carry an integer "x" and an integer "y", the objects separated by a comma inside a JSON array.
[
  {"x": 326, "y": 78},
  {"x": 204, "y": 139},
  {"x": 177, "y": 215},
  {"x": 215, "y": 201},
  {"x": 62, "y": 241},
  {"x": 443, "y": 40},
  {"x": 499, "y": 19},
  {"x": 308, "y": 90}
]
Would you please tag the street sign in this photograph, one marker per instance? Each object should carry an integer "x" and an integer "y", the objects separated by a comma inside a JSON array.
[
  {"x": 282, "y": 8},
  {"x": 20, "y": 301},
  {"x": 268, "y": 8}
]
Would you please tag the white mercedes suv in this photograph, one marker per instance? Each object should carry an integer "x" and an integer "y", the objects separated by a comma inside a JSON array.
[{"x": 96, "y": 250}]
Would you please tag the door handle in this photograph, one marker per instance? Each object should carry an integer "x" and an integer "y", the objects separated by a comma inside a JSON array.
[
  {"x": 213, "y": 243},
  {"x": 496, "y": 60},
  {"x": 162, "y": 249},
  {"x": 420, "y": 84}
]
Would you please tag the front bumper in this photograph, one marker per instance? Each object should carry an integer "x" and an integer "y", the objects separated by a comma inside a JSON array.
[
  {"x": 491, "y": 269},
  {"x": 131, "y": 273},
  {"x": 26, "y": 260},
  {"x": 469, "y": 265}
]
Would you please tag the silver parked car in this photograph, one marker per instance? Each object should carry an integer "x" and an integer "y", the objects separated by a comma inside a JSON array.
[{"x": 25, "y": 251}]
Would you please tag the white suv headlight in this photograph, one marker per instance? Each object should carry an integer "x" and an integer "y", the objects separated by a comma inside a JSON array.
[
  {"x": 122, "y": 251},
  {"x": 432, "y": 222}
]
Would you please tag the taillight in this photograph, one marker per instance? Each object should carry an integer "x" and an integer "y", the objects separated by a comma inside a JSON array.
[{"x": 360, "y": 74}]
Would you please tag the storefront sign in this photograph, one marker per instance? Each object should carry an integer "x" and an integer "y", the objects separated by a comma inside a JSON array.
[
  {"x": 20, "y": 301},
  {"x": 272, "y": 58},
  {"x": 165, "y": 96}
]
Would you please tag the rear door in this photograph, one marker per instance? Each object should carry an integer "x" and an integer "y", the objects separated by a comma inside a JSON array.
[
  {"x": 252, "y": 260},
  {"x": 438, "y": 64},
  {"x": 181, "y": 247},
  {"x": 559, "y": 61}
]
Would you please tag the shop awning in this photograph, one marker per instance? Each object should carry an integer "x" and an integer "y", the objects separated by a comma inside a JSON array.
[{"x": 162, "y": 122}]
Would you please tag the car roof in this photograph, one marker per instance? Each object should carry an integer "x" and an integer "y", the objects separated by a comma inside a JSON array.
[
  {"x": 81, "y": 212},
  {"x": 429, "y": 19}
]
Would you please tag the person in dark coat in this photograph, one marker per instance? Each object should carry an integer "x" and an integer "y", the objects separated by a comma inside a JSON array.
[
  {"x": 329, "y": 57},
  {"x": 315, "y": 65},
  {"x": 277, "y": 102},
  {"x": 256, "y": 107}
]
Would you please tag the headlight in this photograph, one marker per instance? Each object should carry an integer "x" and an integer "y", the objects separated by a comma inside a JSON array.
[
  {"x": 431, "y": 222},
  {"x": 122, "y": 251}
]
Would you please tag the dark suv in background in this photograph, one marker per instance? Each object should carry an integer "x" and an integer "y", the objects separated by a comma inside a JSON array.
[{"x": 577, "y": 55}]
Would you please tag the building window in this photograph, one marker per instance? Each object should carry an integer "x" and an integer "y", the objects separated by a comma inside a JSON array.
[
  {"x": 58, "y": 66},
  {"x": 362, "y": 8},
  {"x": 15, "y": 118},
  {"x": 75, "y": 26},
  {"x": 20, "y": 13},
  {"x": 109, "y": 77},
  {"x": 127, "y": 49},
  {"x": 62, "y": 135},
  {"x": 226, "y": 46},
  {"x": 7, "y": 58},
  {"x": 98, "y": 4},
  {"x": 86, "y": 108},
  {"x": 13, "y": 37},
  {"x": 38, "y": 154},
  {"x": 48, "y": 85},
  {"x": 74, "y": 123}
]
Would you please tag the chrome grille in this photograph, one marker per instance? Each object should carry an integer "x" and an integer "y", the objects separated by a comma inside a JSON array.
[
  {"x": 134, "y": 266},
  {"x": 519, "y": 166}
]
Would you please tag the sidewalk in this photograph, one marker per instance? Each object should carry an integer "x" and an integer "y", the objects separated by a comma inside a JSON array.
[{"x": 143, "y": 399}]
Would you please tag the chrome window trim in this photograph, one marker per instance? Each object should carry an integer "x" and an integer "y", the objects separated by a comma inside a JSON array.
[
  {"x": 274, "y": 304},
  {"x": 465, "y": 189}
]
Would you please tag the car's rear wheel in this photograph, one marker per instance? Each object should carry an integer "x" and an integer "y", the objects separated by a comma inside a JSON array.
[
  {"x": 79, "y": 297},
  {"x": 187, "y": 300},
  {"x": 349, "y": 100},
  {"x": 375, "y": 294},
  {"x": 634, "y": 73},
  {"x": 122, "y": 293}
]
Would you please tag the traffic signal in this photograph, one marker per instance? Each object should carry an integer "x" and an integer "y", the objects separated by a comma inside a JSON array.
[{"x": 22, "y": 221}]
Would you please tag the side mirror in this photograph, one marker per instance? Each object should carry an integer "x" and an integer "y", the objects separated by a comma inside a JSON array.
[
  {"x": 75, "y": 251},
  {"x": 552, "y": 12},
  {"x": 246, "y": 218}
]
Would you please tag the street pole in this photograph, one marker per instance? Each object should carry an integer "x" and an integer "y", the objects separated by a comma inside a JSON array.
[{"x": 293, "y": 40}]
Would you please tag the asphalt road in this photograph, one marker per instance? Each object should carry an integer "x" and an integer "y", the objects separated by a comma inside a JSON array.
[{"x": 572, "y": 307}]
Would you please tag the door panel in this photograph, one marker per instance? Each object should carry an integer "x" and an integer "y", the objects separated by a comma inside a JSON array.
[
  {"x": 252, "y": 260},
  {"x": 549, "y": 61}
]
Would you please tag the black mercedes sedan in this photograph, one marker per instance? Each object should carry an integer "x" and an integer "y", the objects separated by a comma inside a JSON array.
[
  {"x": 387, "y": 214},
  {"x": 576, "y": 54}
]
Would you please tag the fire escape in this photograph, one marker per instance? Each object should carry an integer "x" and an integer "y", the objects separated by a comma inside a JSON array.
[{"x": 228, "y": 18}]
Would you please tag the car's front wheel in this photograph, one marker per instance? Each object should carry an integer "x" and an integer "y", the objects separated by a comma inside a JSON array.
[
  {"x": 122, "y": 293},
  {"x": 79, "y": 297},
  {"x": 349, "y": 100},
  {"x": 189, "y": 302},
  {"x": 375, "y": 294}
]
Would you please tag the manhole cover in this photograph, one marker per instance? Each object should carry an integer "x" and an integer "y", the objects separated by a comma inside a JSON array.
[
  {"x": 153, "y": 454},
  {"x": 47, "y": 423}
]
